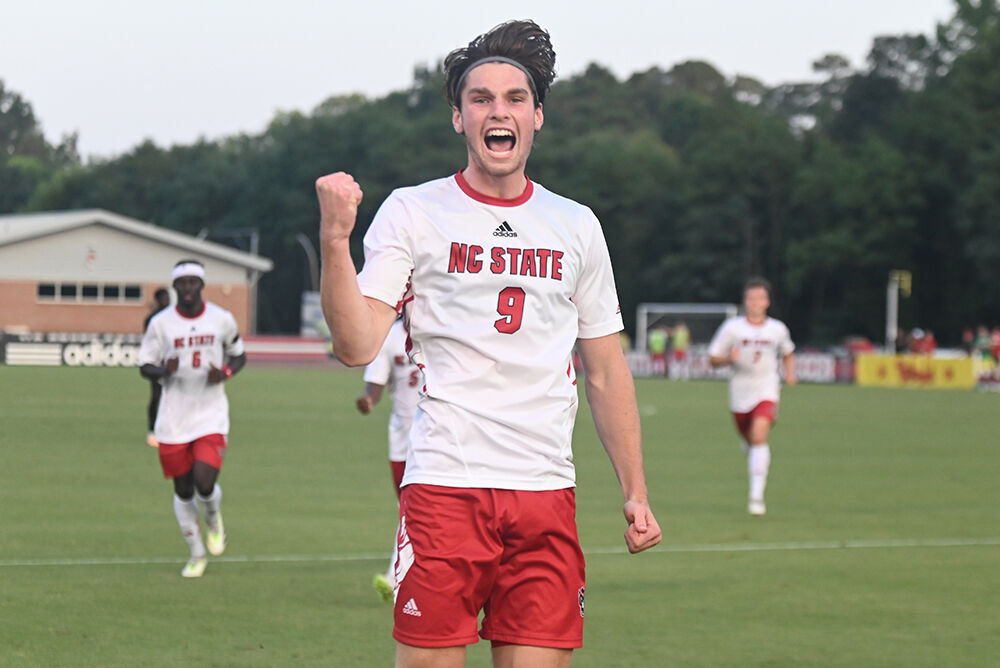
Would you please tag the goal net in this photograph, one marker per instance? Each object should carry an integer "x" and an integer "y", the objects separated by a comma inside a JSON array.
[{"x": 655, "y": 326}]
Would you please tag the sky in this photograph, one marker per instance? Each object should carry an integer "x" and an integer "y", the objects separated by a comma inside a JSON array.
[{"x": 119, "y": 72}]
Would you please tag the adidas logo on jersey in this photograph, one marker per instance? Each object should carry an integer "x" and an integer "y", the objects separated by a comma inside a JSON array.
[
  {"x": 504, "y": 230},
  {"x": 411, "y": 608}
]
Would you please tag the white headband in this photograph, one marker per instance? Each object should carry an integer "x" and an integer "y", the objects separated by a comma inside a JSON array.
[{"x": 188, "y": 269}]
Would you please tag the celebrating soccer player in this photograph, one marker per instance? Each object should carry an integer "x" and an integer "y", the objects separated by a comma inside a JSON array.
[{"x": 497, "y": 279}]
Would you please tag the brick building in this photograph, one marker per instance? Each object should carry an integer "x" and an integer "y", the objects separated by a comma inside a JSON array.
[{"x": 96, "y": 271}]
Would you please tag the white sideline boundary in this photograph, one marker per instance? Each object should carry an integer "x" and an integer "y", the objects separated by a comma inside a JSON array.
[{"x": 849, "y": 544}]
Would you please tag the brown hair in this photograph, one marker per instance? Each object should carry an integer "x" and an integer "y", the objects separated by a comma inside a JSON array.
[{"x": 521, "y": 41}]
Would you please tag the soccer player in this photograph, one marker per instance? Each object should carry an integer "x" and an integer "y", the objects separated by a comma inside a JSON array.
[
  {"x": 162, "y": 301},
  {"x": 752, "y": 344},
  {"x": 193, "y": 349},
  {"x": 392, "y": 368},
  {"x": 497, "y": 278}
]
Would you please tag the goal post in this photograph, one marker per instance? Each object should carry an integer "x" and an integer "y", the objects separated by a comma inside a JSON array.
[{"x": 701, "y": 318}]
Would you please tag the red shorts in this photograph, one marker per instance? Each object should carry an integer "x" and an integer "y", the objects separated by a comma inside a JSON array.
[
  {"x": 178, "y": 458},
  {"x": 765, "y": 409},
  {"x": 513, "y": 554}
]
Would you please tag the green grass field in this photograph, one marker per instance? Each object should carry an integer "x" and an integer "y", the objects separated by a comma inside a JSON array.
[{"x": 881, "y": 546}]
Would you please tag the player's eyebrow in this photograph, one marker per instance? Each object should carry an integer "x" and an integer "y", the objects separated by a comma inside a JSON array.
[{"x": 488, "y": 92}]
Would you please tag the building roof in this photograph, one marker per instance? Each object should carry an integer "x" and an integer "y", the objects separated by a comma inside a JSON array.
[{"x": 20, "y": 227}]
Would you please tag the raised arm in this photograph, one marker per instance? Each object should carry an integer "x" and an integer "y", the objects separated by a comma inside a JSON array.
[
  {"x": 611, "y": 394},
  {"x": 358, "y": 324}
]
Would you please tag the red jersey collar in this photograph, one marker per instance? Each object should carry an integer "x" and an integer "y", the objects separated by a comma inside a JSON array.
[
  {"x": 190, "y": 317},
  {"x": 494, "y": 201}
]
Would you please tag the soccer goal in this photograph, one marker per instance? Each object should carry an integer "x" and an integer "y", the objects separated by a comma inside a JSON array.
[{"x": 701, "y": 319}]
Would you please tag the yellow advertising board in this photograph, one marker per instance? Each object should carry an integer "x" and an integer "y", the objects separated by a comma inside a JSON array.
[{"x": 915, "y": 371}]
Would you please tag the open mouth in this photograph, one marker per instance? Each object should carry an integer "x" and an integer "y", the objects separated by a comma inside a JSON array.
[{"x": 500, "y": 141}]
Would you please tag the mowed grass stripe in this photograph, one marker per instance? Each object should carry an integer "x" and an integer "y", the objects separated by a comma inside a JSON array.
[{"x": 684, "y": 549}]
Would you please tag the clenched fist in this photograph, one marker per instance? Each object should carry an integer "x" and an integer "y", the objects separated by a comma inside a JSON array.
[{"x": 339, "y": 197}]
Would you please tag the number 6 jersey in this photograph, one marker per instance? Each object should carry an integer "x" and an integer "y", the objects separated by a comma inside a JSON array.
[
  {"x": 494, "y": 293},
  {"x": 190, "y": 407}
]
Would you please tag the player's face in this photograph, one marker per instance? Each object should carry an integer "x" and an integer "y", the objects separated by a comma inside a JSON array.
[
  {"x": 756, "y": 303},
  {"x": 499, "y": 119},
  {"x": 188, "y": 291}
]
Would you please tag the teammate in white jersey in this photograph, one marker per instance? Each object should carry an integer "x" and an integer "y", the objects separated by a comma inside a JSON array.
[
  {"x": 393, "y": 369},
  {"x": 192, "y": 349},
  {"x": 497, "y": 278},
  {"x": 752, "y": 344}
]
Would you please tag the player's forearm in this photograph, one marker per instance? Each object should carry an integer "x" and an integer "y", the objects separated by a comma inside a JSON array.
[
  {"x": 612, "y": 401},
  {"x": 236, "y": 363},
  {"x": 347, "y": 312},
  {"x": 154, "y": 371},
  {"x": 719, "y": 361},
  {"x": 790, "y": 375}
]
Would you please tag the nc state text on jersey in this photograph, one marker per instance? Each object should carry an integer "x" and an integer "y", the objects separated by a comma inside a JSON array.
[
  {"x": 194, "y": 340},
  {"x": 541, "y": 262}
]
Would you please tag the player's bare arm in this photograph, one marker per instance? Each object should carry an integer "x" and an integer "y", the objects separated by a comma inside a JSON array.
[
  {"x": 790, "y": 377},
  {"x": 611, "y": 394},
  {"x": 158, "y": 371},
  {"x": 371, "y": 397},
  {"x": 724, "y": 360},
  {"x": 358, "y": 325}
]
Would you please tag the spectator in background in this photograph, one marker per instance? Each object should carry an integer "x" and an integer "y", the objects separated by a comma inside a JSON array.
[
  {"x": 981, "y": 344},
  {"x": 161, "y": 301},
  {"x": 922, "y": 343},
  {"x": 680, "y": 343},
  {"x": 657, "y": 340}
]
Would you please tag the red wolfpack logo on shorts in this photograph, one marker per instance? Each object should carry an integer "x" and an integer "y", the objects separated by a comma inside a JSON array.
[{"x": 580, "y": 596}]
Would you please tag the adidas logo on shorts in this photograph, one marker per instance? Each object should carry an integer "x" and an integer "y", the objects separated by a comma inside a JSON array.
[
  {"x": 504, "y": 230},
  {"x": 411, "y": 608}
]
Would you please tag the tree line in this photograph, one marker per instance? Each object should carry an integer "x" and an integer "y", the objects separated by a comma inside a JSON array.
[{"x": 698, "y": 179}]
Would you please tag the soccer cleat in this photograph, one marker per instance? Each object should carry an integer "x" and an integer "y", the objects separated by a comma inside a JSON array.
[
  {"x": 151, "y": 440},
  {"x": 195, "y": 568},
  {"x": 215, "y": 539},
  {"x": 756, "y": 507},
  {"x": 382, "y": 586}
]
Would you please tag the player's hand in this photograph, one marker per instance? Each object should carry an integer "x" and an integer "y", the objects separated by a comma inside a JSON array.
[
  {"x": 339, "y": 197},
  {"x": 364, "y": 404},
  {"x": 791, "y": 379},
  {"x": 643, "y": 531},
  {"x": 171, "y": 366},
  {"x": 215, "y": 374}
]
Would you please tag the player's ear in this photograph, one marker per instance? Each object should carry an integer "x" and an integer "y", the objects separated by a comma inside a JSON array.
[
  {"x": 456, "y": 120},
  {"x": 539, "y": 118}
]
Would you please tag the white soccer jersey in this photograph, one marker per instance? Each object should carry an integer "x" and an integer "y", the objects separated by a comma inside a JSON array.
[
  {"x": 190, "y": 407},
  {"x": 755, "y": 374},
  {"x": 393, "y": 368},
  {"x": 495, "y": 294}
]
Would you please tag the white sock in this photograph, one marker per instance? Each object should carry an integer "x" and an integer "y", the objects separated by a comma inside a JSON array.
[
  {"x": 187, "y": 518},
  {"x": 212, "y": 504},
  {"x": 758, "y": 464}
]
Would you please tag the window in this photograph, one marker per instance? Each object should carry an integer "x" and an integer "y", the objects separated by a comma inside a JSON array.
[{"x": 100, "y": 293}]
